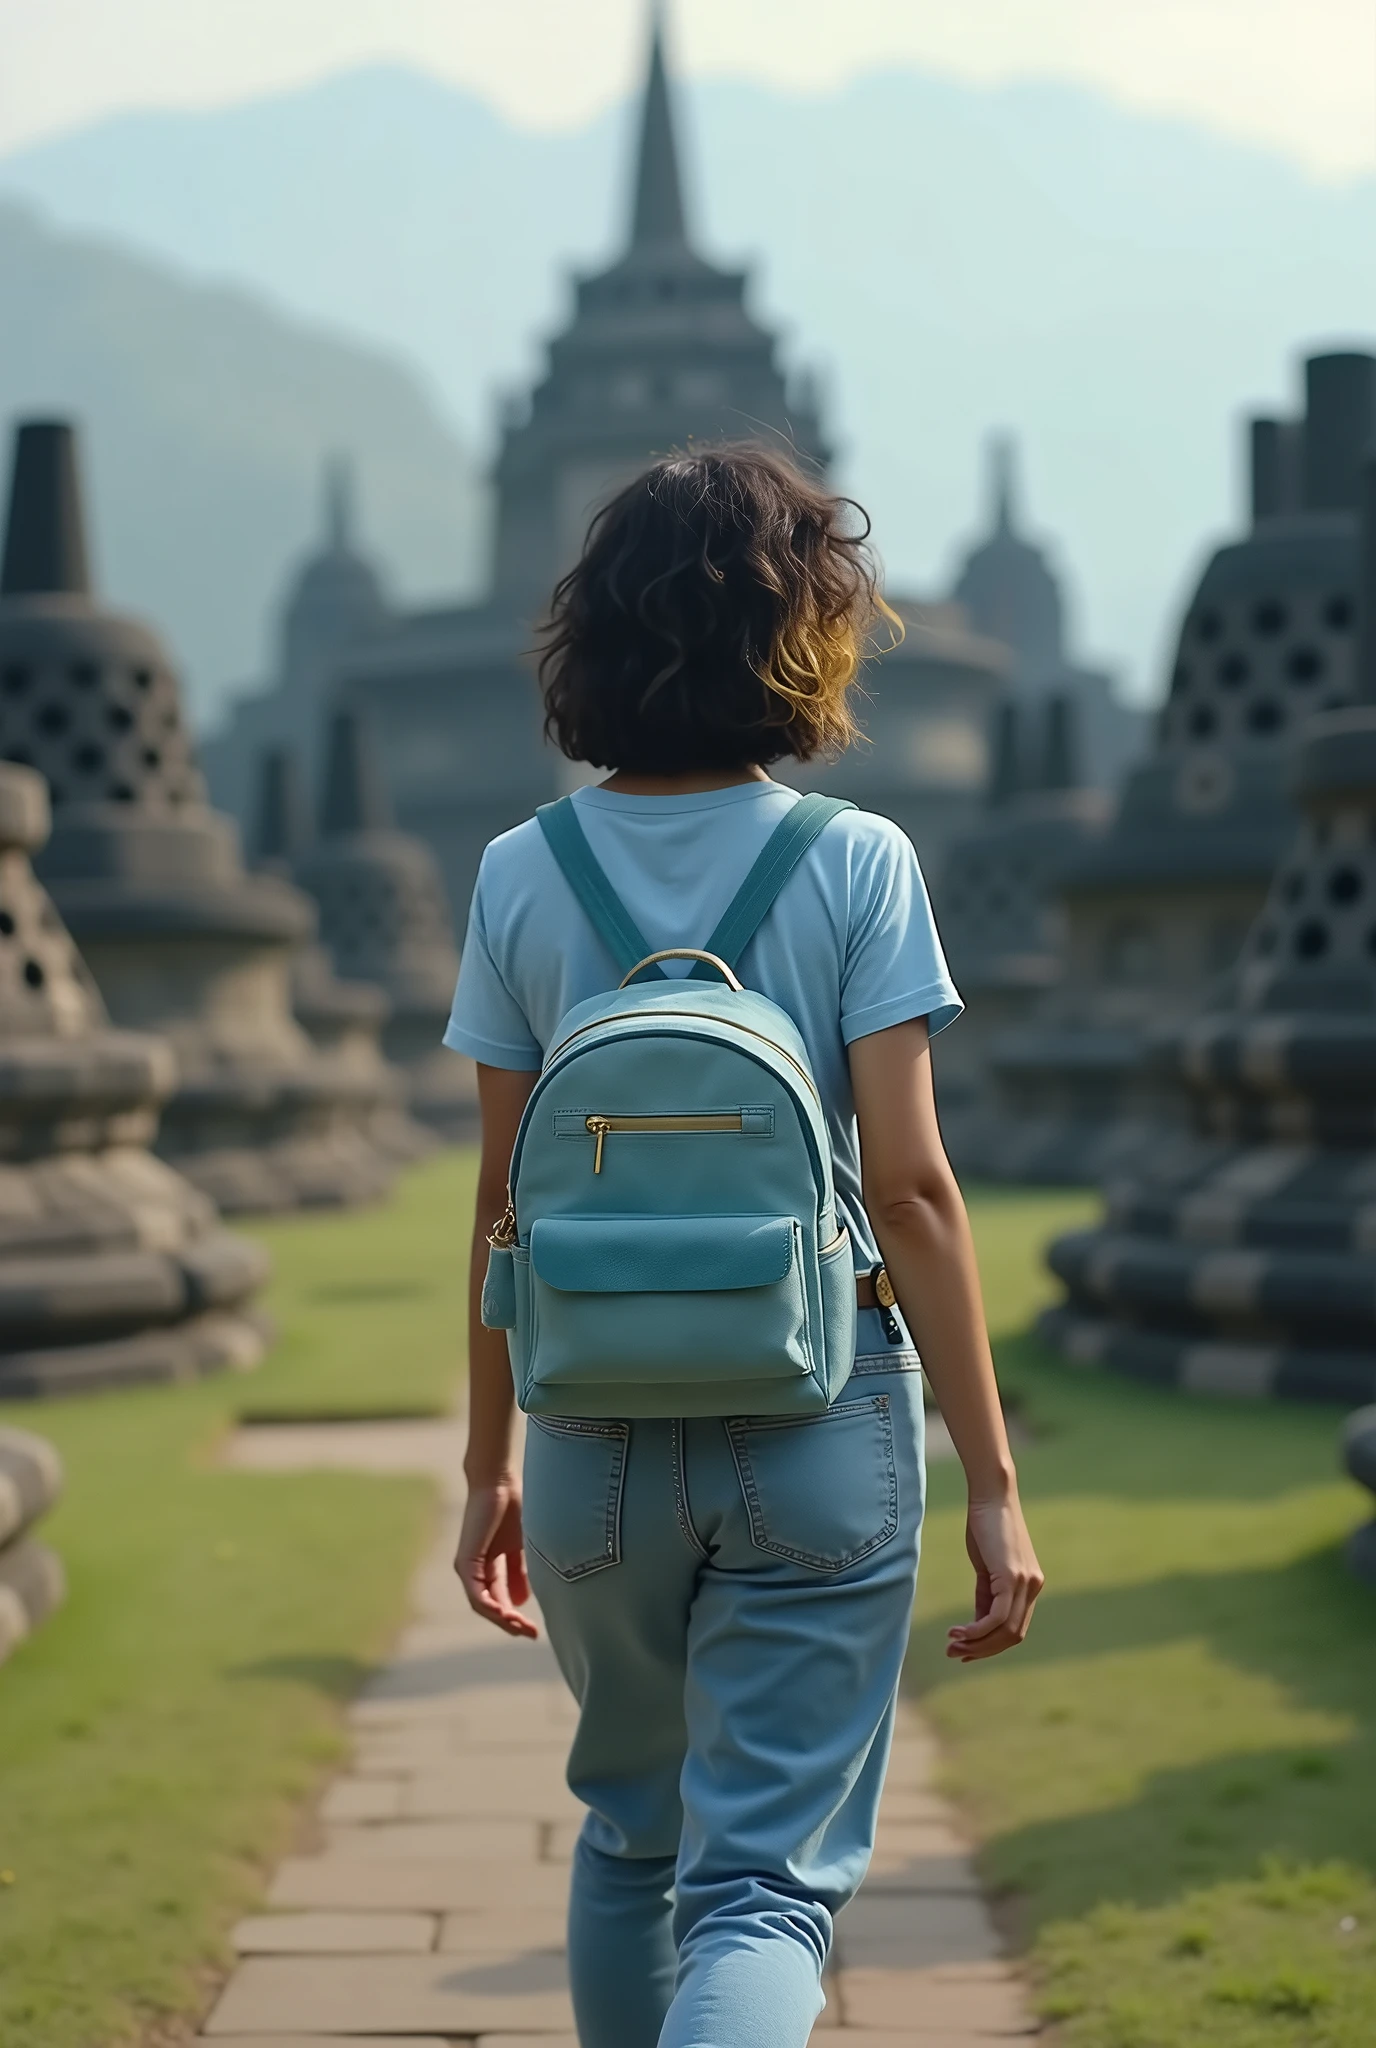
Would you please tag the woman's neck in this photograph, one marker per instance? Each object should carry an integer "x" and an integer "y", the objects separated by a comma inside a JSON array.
[{"x": 626, "y": 783}]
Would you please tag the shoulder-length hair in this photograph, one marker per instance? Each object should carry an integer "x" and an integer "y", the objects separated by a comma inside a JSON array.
[{"x": 716, "y": 617}]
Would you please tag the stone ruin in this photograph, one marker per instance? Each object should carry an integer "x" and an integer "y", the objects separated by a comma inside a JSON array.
[
  {"x": 31, "y": 1577},
  {"x": 181, "y": 940},
  {"x": 384, "y": 919},
  {"x": 343, "y": 1019},
  {"x": 1156, "y": 912},
  {"x": 1237, "y": 1256},
  {"x": 113, "y": 1268},
  {"x": 1000, "y": 921}
]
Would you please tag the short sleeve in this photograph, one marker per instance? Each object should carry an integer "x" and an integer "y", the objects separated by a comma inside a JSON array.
[
  {"x": 895, "y": 970},
  {"x": 486, "y": 1020}
]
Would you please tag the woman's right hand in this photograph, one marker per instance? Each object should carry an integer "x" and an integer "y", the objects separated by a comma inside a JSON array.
[
  {"x": 1008, "y": 1579},
  {"x": 491, "y": 1558}
]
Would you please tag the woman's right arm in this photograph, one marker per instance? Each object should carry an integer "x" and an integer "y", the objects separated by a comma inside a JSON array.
[{"x": 918, "y": 1214}]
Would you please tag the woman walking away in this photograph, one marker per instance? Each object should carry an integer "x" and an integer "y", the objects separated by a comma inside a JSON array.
[{"x": 731, "y": 1243}]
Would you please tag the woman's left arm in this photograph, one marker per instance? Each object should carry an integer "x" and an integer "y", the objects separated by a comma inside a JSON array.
[{"x": 491, "y": 1559}]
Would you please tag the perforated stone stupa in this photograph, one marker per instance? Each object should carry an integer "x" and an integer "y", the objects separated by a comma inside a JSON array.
[
  {"x": 1240, "y": 1255},
  {"x": 113, "y": 1268},
  {"x": 1157, "y": 912},
  {"x": 180, "y": 939},
  {"x": 385, "y": 919}
]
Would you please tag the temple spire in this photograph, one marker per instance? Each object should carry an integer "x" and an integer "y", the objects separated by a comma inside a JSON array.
[
  {"x": 45, "y": 535},
  {"x": 1002, "y": 462},
  {"x": 657, "y": 209},
  {"x": 339, "y": 509}
]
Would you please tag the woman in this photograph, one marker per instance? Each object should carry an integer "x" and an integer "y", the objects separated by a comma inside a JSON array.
[{"x": 737, "y": 1665}]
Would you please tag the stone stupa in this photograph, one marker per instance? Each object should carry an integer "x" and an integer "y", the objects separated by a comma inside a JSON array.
[
  {"x": 181, "y": 940},
  {"x": 32, "y": 1582},
  {"x": 385, "y": 919},
  {"x": 344, "y": 1019},
  {"x": 1239, "y": 1255},
  {"x": 1157, "y": 911},
  {"x": 113, "y": 1268},
  {"x": 999, "y": 915}
]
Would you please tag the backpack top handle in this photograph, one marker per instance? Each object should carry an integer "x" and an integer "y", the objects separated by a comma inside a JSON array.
[{"x": 684, "y": 953}]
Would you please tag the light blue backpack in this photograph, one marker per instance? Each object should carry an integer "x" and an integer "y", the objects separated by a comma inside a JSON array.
[{"x": 671, "y": 1245}]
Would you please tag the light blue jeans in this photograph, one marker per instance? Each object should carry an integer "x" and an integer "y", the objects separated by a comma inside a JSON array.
[{"x": 730, "y": 1603}]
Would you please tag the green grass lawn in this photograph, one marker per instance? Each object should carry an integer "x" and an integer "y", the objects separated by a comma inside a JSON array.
[
  {"x": 1174, "y": 1780},
  {"x": 159, "y": 1735}
]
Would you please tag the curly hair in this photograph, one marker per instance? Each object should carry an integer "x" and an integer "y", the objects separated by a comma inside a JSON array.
[{"x": 716, "y": 617}]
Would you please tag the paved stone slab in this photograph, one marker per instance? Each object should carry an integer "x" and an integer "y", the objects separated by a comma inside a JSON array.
[
  {"x": 394, "y": 1995},
  {"x": 434, "y": 1447},
  {"x": 497, "y": 1933},
  {"x": 523, "y": 2041},
  {"x": 481, "y": 1841},
  {"x": 899, "y": 1933},
  {"x": 417, "y": 1884},
  {"x": 355, "y": 1799},
  {"x": 481, "y": 1788},
  {"x": 318, "y": 1934},
  {"x": 968, "y": 2003},
  {"x": 904, "y": 1844}
]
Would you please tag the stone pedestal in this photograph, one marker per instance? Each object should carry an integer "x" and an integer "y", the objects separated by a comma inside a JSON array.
[
  {"x": 385, "y": 921},
  {"x": 1156, "y": 913},
  {"x": 180, "y": 939},
  {"x": 113, "y": 1268},
  {"x": 31, "y": 1577},
  {"x": 1239, "y": 1254}
]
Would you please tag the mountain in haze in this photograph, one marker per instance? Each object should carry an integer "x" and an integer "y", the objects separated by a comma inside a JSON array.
[
  {"x": 207, "y": 417},
  {"x": 1117, "y": 288}
]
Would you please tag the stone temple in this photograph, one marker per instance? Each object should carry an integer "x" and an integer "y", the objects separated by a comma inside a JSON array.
[
  {"x": 180, "y": 939},
  {"x": 1156, "y": 911},
  {"x": 662, "y": 351},
  {"x": 336, "y": 603},
  {"x": 113, "y": 1268},
  {"x": 1237, "y": 1255},
  {"x": 1009, "y": 592}
]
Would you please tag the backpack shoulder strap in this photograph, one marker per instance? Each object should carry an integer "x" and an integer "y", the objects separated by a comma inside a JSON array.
[
  {"x": 608, "y": 915},
  {"x": 782, "y": 851}
]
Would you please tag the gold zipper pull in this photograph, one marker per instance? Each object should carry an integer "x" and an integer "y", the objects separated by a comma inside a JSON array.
[{"x": 599, "y": 1125}]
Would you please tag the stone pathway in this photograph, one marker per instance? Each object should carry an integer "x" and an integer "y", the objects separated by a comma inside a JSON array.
[{"x": 432, "y": 1910}]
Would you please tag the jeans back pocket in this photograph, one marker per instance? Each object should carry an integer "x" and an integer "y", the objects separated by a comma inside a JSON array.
[
  {"x": 571, "y": 1505},
  {"x": 822, "y": 1490}
]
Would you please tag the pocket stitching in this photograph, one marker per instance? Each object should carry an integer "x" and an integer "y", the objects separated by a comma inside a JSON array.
[
  {"x": 735, "y": 1429},
  {"x": 619, "y": 1434}
]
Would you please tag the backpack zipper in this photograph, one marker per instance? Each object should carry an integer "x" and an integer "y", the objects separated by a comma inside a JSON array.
[
  {"x": 640, "y": 1017},
  {"x": 601, "y": 1126}
]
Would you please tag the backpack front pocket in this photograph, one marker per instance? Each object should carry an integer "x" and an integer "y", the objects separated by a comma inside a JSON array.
[{"x": 690, "y": 1300}]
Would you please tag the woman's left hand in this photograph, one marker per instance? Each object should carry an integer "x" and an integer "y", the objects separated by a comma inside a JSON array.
[{"x": 491, "y": 1559}]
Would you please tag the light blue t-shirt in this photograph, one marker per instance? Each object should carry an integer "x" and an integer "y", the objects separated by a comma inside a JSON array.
[{"x": 849, "y": 947}]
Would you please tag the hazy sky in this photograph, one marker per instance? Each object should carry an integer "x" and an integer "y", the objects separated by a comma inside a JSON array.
[{"x": 1297, "y": 74}]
